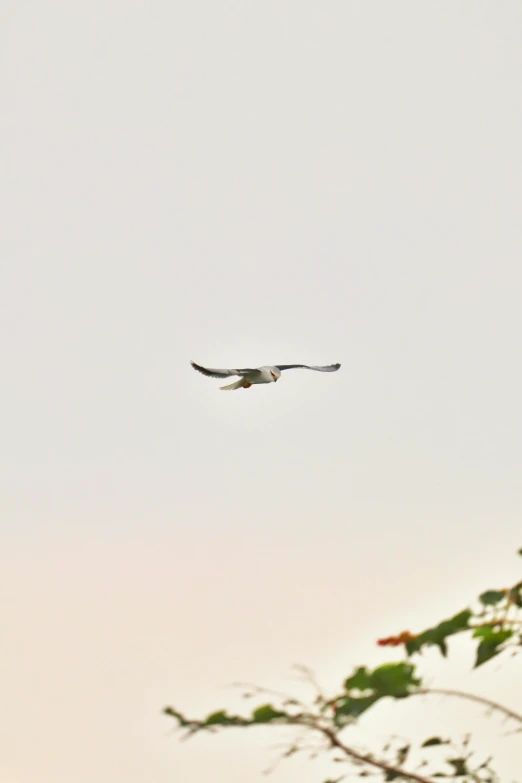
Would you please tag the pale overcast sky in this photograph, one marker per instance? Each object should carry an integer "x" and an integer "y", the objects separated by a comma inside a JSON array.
[{"x": 245, "y": 183}]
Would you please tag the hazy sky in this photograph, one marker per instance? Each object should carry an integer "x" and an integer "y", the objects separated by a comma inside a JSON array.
[{"x": 243, "y": 183}]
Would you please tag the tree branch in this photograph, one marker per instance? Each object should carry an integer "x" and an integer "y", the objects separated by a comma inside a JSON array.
[
  {"x": 335, "y": 742},
  {"x": 493, "y": 705},
  {"x": 307, "y": 721}
]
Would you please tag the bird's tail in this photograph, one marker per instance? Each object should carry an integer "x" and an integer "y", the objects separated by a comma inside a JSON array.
[{"x": 236, "y": 385}]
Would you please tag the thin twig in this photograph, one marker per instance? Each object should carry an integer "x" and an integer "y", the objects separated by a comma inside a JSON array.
[
  {"x": 257, "y": 689},
  {"x": 335, "y": 742},
  {"x": 470, "y": 697}
]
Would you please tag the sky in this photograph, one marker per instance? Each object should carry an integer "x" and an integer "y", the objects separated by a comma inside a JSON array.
[{"x": 243, "y": 183}]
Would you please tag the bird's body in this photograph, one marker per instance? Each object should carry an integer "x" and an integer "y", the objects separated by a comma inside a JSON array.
[
  {"x": 260, "y": 375},
  {"x": 248, "y": 376}
]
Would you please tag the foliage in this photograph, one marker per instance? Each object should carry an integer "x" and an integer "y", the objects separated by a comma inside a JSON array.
[{"x": 493, "y": 624}]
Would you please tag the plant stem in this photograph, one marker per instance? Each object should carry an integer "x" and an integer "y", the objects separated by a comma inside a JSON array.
[
  {"x": 335, "y": 742},
  {"x": 493, "y": 705}
]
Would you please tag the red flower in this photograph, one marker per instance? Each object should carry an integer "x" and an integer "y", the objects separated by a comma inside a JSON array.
[{"x": 395, "y": 641}]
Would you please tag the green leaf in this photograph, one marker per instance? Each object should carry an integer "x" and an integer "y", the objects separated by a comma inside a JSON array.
[
  {"x": 394, "y": 679},
  {"x": 437, "y": 635},
  {"x": 459, "y": 765},
  {"x": 460, "y": 622},
  {"x": 492, "y": 597},
  {"x": 355, "y": 706},
  {"x": 182, "y": 720},
  {"x": 515, "y": 595},
  {"x": 432, "y": 741},
  {"x": 489, "y": 647},
  {"x": 266, "y": 713},
  {"x": 485, "y": 632},
  {"x": 360, "y": 680},
  {"x": 390, "y": 679},
  {"x": 414, "y": 645},
  {"x": 220, "y": 718}
]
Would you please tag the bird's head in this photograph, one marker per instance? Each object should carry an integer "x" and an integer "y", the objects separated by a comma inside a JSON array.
[{"x": 275, "y": 373}]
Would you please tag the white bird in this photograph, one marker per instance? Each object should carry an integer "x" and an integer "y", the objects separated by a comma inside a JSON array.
[{"x": 249, "y": 375}]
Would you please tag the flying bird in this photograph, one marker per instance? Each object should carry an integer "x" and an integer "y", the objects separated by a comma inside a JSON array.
[{"x": 249, "y": 375}]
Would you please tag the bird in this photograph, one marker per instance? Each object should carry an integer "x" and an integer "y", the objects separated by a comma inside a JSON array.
[{"x": 251, "y": 375}]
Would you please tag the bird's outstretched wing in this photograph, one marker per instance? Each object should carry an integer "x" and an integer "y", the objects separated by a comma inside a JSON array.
[
  {"x": 328, "y": 368},
  {"x": 215, "y": 373}
]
